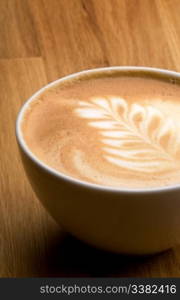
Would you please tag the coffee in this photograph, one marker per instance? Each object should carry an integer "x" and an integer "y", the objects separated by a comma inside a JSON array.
[{"x": 121, "y": 131}]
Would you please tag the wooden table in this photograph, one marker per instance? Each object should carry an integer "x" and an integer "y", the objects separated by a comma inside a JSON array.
[{"x": 42, "y": 40}]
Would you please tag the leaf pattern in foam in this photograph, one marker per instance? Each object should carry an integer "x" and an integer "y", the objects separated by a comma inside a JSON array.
[{"x": 134, "y": 137}]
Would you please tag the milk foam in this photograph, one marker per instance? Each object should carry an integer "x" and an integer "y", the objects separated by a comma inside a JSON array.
[
  {"x": 135, "y": 134},
  {"x": 115, "y": 131}
]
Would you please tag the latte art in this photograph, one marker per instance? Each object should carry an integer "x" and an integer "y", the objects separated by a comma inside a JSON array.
[
  {"x": 137, "y": 138},
  {"x": 121, "y": 131}
]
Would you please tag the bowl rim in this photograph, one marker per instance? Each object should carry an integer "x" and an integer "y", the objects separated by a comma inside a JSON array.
[{"x": 73, "y": 180}]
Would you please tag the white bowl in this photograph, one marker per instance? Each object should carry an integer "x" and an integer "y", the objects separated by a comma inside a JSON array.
[{"x": 131, "y": 221}]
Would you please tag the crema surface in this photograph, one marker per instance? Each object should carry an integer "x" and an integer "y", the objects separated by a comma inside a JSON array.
[{"x": 112, "y": 131}]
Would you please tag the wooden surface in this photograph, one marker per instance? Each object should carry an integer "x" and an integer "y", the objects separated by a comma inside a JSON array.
[{"x": 42, "y": 40}]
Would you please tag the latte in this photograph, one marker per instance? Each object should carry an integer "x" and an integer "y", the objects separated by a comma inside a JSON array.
[{"x": 121, "y": 131}]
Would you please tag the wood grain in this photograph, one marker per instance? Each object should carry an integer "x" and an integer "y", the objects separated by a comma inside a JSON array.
[{"x": 42, "y": 40}]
